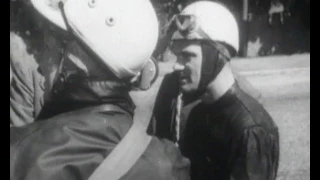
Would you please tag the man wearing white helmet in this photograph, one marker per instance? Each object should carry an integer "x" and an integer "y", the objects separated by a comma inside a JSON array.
[
  {"x": 103, "y": 57},
  {"x": 229, "y": 134},
  {"x": 164, "y": 113}
]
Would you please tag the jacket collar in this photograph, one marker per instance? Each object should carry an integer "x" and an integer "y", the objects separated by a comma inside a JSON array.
[
  {"x": 219, "y": 86},
  {"x": 75, "y": 94}
]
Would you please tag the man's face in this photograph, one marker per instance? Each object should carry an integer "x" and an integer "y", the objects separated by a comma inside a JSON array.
[{"x": 188, "y": 64}]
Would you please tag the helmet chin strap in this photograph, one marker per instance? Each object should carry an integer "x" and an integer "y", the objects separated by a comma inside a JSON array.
[
  {"x": 213, "y": 63},
  {"x": 209, "y": 69},
  {"x": 60, "y": 77}
]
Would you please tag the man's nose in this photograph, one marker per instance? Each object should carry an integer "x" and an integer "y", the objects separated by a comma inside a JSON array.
[{"x": 178, "y": 67}]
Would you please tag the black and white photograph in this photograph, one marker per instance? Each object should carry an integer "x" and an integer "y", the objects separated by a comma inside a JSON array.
[{"x": 159, "y": 89}]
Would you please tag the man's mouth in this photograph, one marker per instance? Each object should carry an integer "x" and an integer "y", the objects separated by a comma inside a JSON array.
[{"x": 183, "y": 79}]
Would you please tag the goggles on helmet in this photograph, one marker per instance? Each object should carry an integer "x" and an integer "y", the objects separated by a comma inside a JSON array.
[
  {"x": 188, "y": 29},
  {"x": 186, "y": 23}
]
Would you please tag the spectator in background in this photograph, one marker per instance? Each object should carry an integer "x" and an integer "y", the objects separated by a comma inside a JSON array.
[
  {"x": 27, "y": 84},
  {"x": 33, "y": 56}
]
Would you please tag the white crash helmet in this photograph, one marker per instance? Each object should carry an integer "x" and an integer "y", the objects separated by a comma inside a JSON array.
[
  {"x": 122, "y": 33},
  {"x": 207, "y": 20}
]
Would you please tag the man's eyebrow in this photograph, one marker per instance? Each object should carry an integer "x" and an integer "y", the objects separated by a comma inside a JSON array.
[{"x": 187, "y": 53}]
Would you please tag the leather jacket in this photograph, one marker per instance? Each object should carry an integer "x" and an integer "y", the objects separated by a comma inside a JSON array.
[
  {"x": 233, "y": 138},
  {"x": 78, "y": 130},
  {"x": 162, "y": 123}
]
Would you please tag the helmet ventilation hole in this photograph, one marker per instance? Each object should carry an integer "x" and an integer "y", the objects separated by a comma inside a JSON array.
[{"x": 110, "y": 21}]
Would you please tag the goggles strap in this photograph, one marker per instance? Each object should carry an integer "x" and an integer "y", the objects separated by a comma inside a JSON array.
[{"x": 60, "y": 78}]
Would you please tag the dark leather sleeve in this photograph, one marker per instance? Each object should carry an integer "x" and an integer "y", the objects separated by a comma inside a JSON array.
[
  {"x": 72, "y": 146},
  {"x": 162, "y": 160},
  {"x": 257, "y": 156}
]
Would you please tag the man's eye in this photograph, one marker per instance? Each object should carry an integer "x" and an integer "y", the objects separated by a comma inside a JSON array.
[
  {"x": 180, "y": 56},
  {"x": 183, "y": 57},
  {"x": 186, "y": 56}
]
